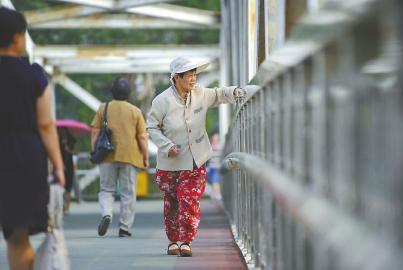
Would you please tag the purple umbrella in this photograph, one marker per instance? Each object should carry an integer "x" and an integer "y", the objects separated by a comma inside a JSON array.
[{"x": 76, "y": 128}]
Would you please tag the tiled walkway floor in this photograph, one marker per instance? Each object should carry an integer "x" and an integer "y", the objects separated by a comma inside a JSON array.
[{"x": 214, "y": 247}]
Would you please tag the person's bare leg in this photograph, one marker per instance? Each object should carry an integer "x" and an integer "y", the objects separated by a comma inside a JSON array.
[{"x": 20, "y": 253}]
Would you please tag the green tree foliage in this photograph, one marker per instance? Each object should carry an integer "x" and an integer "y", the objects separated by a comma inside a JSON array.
[
  {"x": 23, "y": 5},
  {"x": 125, "y": 36}
]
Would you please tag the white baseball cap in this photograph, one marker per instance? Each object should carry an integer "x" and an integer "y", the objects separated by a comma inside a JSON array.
[{"x": 182, "y": 64}]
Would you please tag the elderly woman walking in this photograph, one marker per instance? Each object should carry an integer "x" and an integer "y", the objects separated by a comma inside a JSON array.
[{"x": 176, "y": 124}]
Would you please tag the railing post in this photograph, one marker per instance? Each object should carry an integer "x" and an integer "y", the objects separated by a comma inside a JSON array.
[{"x": 326, "y": 123}]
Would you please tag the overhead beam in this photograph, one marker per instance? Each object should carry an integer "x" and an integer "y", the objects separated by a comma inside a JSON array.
[
  {"x": 122, "y": 4},
  {"x": 76, "y": 90},
  {"x": 59, "y": 13},
  {"x": 114, "y": 4},
  {"x": 7, "y": 4},
  {"x": 118, "y": 67},
  {"x": 175, "y": 12},
  {"x": 108, "y": 4},
  {"x": 125, "y": 52},
  {"x": 145, "y": 61},
  {"x": 166, "y": 11},
  {"x": 114, "y": 21},
  {"x": 114, "y": 68}
]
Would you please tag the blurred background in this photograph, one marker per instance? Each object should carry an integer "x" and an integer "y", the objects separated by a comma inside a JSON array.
[
  {"x": 58, "y": 27},
  {"x": 312, "y": 175}
]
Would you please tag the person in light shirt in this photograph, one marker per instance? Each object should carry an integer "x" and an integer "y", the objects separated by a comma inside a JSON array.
[{"x": 177, "y": 125}]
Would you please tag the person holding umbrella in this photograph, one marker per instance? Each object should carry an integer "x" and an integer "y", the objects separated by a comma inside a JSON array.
[
  {"x": 68, "y": 130},
  {"x": 66, "y": 143},
  {"x": 176, "y": 124}
]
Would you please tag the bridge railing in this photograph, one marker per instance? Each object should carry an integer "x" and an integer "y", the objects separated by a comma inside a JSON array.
[{"x": 315, "y": 156}]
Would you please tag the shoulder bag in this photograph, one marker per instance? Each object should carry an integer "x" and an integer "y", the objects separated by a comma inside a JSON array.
[{"x": 103, "y": 145}]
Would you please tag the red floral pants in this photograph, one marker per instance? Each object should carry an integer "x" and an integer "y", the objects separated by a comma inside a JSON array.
[{"x": 182, "y": 193}]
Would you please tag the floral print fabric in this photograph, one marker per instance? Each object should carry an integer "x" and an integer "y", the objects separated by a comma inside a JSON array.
[{"x": 182, "y": 193}]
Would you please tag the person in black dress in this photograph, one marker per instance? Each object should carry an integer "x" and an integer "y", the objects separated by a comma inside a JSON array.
[{"x": 27, "y": 138}]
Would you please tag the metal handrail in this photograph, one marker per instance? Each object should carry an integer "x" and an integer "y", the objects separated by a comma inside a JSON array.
[
  {"x": 339, "y": 231},
  {"x": 315, "y": 153}
]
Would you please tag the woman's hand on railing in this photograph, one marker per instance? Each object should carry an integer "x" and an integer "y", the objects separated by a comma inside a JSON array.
[
  {"x": 239, "y": 94},
  {"x": 229, "y": 164},
  {"x": 242, "y": 94}
]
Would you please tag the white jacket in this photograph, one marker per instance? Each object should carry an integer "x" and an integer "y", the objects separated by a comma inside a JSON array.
[{"x": 171, "y": 122}]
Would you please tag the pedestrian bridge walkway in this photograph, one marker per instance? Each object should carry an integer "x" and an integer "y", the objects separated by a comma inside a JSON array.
[
  {"x": 214, "y": 248},
  {"x": 312, "y": 177}
]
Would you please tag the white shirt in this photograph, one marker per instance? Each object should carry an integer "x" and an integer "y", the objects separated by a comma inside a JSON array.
[{"x": 171, "y": 121}]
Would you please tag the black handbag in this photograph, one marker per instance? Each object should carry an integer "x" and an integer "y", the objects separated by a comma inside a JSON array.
[{"x": 103, "y": 144}]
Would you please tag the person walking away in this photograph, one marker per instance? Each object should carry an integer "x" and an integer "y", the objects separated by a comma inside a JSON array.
[
  {"x": 176, "y": 124},
  {"x": 27, "y": 138},
  {"x": 213, "y": 165},
  {"x": 130, "y": 155}
]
